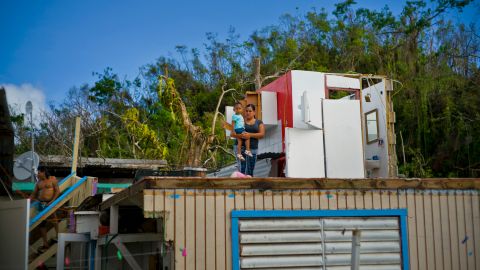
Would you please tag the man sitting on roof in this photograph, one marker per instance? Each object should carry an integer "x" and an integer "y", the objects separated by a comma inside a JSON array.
[{"x": 46, "y": 191}]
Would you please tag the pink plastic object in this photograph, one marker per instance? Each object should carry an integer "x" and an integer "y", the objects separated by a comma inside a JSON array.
[{"x": 238, "y": 174}]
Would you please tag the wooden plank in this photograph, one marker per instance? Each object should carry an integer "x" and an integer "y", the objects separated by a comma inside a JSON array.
[
  {"x": 229, "y": 206},
  {"x": 324, "y": 198},
  {"x": 43, "y": 257},
  {"x": 313, "y": 183},
  {"x": 437, "y": 230},
  {"x": 179, "y": 201},
  {"x": 249, "y": 200},
  {"x": 200, "y": 230},
  {"x": 476, "y": 227},
  {"x": 419, "y": 210},
  {"x": 315, "y": 200},
  {"x": 296, "y": 200},
  {"x": 368, "y": 199},
  {"x": 393, "y": 199},
  {"x": 159, "y": 203},
  {"x": 258, "y": 199},
  {"x": 305, "y": 195},
  {"x": 190, "y": 236},
  {"x": 462, "y": 237},
  {"x": 277, "y": 200},
  {"x": 220, "y": 229},
  {"x": 62, "y": 227},
  {"x": 126, "y": 194},
  {"x": 412, "y": 230},
  {"x": 210, "y": 234},
  {"x": 469, "y": 243},
  {"x": 402, "y": 199},
  {"x": 350, "y": 197},
  {"x": 341, "y": 199},
  {"x": 332, "y": 199},
  {"x": 359, "y": 203},
  {"x": 170, "y": 215},
  {"x": 445, "y": 227},
  {"x": 429, "y": 230},
  {"x": 268, "y": 200},
  {"x": 76, "y": 143},
  {"x": 452, "y": 220},
  {"x": 240, "y": 200},
  {"x": 148, "y": 203},
  {"x": 377, "y": 203},
  {"x": 287, "y": 199},
  {"x": 385, "y": 199}
]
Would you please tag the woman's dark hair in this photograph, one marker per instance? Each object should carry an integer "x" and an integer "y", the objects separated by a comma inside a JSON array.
[
  {"x": 44, "y": 169},
  {"x": 251, "y": 106}
]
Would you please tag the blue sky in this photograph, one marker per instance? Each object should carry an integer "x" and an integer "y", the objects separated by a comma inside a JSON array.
[{"x": 49, "y": 46}]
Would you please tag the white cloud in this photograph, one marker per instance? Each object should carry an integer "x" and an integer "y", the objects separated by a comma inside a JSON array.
[{"x": 17, "y": 97}]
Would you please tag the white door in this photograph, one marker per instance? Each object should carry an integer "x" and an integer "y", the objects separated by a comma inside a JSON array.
[
  {"x": 304, "y": 153},
  {"x": 343, "y": 138}
]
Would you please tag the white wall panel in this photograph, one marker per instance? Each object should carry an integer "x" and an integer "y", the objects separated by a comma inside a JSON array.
[
  {"x": 312, "y": 82},
  {"x": 377, "y": 101},
  {"x": 343, "y": 141},
  {"x": 14, "y": 228},
  {"x": 304, "y": 152},
  {"x": 269, "y": 108},
  {"x": 272, "y": 142},
  {"x": 343, "y": 82}
]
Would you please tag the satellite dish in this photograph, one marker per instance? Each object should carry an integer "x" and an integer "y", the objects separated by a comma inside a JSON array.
[
  {"x": 28, "y": 107},
  {"x": 22, "y": 169}
]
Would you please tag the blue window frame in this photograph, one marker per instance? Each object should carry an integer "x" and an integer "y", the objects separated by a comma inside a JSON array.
[{"x": 237, "y": 214}]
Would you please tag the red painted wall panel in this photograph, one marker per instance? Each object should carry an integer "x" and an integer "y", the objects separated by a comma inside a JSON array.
[{"x": 283, "y": 87}]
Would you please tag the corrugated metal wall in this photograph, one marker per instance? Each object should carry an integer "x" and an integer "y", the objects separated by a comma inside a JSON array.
[
  {"x": 443, "y": 226},
  {"x": 314, "y": 242}
]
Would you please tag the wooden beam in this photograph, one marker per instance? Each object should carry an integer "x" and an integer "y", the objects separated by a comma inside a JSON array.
[
  {"x": 114, "y": 219},
  {"x": 62, "y": 227},
  {"x": 312, "y": 183},
  {"x": 125, "y": 194},
  {"x": 52, "y": 250},
  {"x": 75, "y": 144},
  {"x": 291, "y": 183},
  {"x": 127, "y": 255}
]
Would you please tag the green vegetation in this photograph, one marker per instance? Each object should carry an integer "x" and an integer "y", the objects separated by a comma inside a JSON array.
[{"x": 168, "y": 111}]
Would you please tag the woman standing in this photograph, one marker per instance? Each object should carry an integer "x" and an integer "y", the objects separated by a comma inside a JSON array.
[{"x": 254, "y": 130}]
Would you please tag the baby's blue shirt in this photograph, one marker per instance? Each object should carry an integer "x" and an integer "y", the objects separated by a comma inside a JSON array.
[{"x": 239, "y": 123}]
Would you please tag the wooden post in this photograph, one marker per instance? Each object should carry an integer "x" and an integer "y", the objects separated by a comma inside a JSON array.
[
  {"x": 114, "y": 219},
  {"x": 75, "y": 145}
]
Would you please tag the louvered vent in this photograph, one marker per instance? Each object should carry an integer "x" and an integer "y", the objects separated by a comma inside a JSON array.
[{"x": 318, "y": 243}]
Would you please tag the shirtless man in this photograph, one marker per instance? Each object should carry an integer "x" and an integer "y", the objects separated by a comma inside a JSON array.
[{"x": 46, "y": 191}]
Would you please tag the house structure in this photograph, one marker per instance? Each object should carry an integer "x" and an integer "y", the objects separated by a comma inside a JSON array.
[{"x": 328, "y": 125}]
